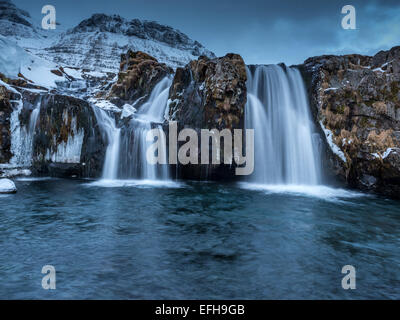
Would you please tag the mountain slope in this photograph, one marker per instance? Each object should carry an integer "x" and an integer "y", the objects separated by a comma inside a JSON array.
[{"x": 97, "y": 43}]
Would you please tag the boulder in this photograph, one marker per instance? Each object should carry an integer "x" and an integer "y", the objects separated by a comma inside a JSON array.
[{"x": 7, "y": 186}]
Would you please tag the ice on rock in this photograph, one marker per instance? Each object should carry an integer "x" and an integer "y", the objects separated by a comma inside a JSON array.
[{"x": 7, "y": 186}]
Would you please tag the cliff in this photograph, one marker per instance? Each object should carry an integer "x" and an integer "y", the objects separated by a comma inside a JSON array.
[{"x": 356, "y": 101}]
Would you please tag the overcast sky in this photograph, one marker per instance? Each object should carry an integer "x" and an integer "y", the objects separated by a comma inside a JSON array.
[{"x": 262, "y": 31}]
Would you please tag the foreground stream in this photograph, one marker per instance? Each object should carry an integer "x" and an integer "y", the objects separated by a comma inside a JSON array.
[{"x": 192, "y": 240}]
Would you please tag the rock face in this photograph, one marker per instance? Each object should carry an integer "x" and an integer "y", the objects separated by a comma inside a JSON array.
[
  {"x": 67, "y": 140},
  {"x": 96, "y": 42},
  {"x": 139, "y": 73},
  {"x": 14, "y": 21},
  {"x": 356, "y": 101},
  {"x": 5, "y": 133},
  {"x": 209, "y": 94},
  {"x": 7, "y": 186}
]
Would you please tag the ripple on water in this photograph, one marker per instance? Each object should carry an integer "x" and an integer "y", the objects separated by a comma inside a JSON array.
[
  {"x": 316, "y": 191},
  {"x": 136, "y": 183}
]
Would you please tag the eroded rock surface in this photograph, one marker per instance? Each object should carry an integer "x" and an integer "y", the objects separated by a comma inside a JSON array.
[
  {"x": 356, "y": 100},
  {"x": 68, "y": 141},
  {"x": 209, "y": 94},
  {"x": 139, "y": 73},
  {"x": 5, "y": 133}
]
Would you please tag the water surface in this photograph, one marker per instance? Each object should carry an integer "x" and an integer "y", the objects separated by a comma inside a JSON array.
[{"x": 195, "y": 241}]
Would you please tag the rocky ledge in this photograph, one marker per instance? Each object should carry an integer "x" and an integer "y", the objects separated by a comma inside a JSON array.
[
  {"x": 356, "y": 102},
  {"x": 139, "y": 73},
  {"x": 209, "y": 94}
]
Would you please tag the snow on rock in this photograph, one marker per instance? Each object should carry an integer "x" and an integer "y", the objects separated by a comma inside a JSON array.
[
  {"x": 15, "y": 61},
  {"x": 387, "y": 152},
  {"x": 70, "y": 151},
  {"x": 7, "y": 186},
  {"x": 104, "y": 104},
  {"x": 97, "y": 42},
  {"x": 127, "y": 111},
  {"x": 330, "y": 89},
  {"x": 329, "y": 138},
  {"x": 13, "y": 171}
]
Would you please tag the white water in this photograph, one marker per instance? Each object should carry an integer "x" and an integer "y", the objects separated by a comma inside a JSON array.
[
  {"x": 126, "y": 151},
  {"x": 113, "y": 134},
  {"x": 151, "y": 112},
  {"x": 286, "y": 149},
  {"x": 22, "y": 136}
]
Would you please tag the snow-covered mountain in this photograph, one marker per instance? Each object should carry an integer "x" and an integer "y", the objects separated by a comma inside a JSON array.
[
  {"x": 16, "y": 62},
  {"x": 97, "y": 43},
  {"x": 18, "y": 26}
]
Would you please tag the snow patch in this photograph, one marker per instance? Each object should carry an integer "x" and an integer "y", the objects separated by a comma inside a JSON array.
[
  {"x": 7, "y": 186},
  {"x": 104, "y": 104},
  {"x": 385, "y": 154},
  {"x": 14, "y": 61},
  {"x": 329, "y": 137},
  {"x": 330, "y": 89},
  {"x": 127, "y": 111}
]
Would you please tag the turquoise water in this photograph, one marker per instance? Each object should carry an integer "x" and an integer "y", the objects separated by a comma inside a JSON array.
[{"x": 193, "y": 240}]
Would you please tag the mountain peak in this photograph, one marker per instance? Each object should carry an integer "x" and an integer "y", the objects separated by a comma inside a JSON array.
[
  {"x": 96, "y": 43},
  {"x": 142, "y": 29},
  {"x": 9, "y": 12}
]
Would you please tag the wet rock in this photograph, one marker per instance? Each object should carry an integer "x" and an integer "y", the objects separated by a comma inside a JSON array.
[
  {"x": 68, "y": 141},
  {"x": 209, "y": 94},
  {"x": 356, "y": 99},
  {"x": 139, "y": 73},
  {"x": 5, "y": 134}
]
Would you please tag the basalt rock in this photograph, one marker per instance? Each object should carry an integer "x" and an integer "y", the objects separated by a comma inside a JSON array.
[
  {"x": 139, "y": 73},
  {"x": 209, "y": 94},
  {"x": 5, "y": 133},
  {"x": 356, "y": 101},
  {"x": 68, "y": 141}
]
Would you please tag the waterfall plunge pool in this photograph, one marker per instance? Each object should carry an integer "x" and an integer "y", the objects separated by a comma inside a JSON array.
[{"x": 198, "y": 241}]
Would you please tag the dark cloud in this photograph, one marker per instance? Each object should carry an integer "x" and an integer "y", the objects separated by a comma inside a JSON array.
[{"x": 262, "y": 31}]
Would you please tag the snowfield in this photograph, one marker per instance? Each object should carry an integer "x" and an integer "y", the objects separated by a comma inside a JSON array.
[{"x": 14, "y": 61}]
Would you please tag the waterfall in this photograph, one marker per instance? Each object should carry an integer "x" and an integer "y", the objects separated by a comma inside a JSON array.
[
  {"x": 22, "y": 136},
  {"x": 134, "y": 143},
  {"x": 285, "y": 146},
  {"x": 112, "y": 135},
  {"x": 127, "y": 145}
]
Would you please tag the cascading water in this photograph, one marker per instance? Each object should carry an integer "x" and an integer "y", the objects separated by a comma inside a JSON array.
[
  {"x": 112, "y": 133},
  {"x": 134, "y": 143},
  {"x": 22, "y": 136},
  {"x": 126, "y": 152},
  {"x": 285, "y": 147}
]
